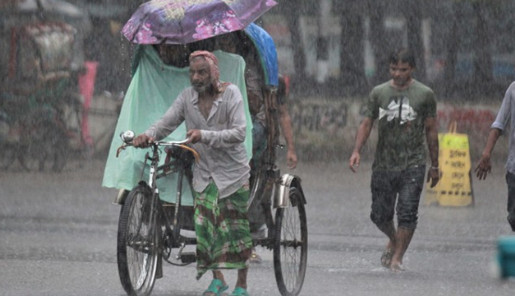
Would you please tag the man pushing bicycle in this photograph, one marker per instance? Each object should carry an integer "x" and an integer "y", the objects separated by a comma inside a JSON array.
[{"x": 216, "y": 127}]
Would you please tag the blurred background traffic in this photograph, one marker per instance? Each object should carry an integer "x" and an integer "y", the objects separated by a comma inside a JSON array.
[{"x": 331, "y": 51}]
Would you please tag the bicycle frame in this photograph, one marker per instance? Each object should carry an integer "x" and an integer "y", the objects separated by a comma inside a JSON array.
[{"x": 172, "y": 226}]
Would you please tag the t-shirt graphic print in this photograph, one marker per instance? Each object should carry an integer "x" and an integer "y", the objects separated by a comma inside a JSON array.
[{"x": 400, "y": 108}]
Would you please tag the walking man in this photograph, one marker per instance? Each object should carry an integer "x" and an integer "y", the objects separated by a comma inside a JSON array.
[
  {"x": 405, "y": 110},
  {"x": 216, "y": 127},
  {"x": 503, "y": 121}
]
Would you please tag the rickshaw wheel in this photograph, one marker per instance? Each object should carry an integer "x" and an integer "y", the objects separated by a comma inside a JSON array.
[
  {"x": 138, "y": 240},
  {"x": 291, "y": 245}
]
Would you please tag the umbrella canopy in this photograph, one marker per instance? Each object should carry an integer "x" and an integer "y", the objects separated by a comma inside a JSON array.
[
  {"x": 187, "y": 21},
  {"x": 265, "y": 46}
]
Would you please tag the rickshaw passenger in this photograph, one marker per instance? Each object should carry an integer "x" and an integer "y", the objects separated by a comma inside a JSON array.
[
  {"x": 239, "y": 43},
  {"x": 174, "y": 55},
  {"x": 177, "y": 55}
]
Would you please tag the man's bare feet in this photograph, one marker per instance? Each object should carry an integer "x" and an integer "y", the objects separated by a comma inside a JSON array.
[
  {"x": 386, "y": 257},
  {"x": 396, "y": 267}
]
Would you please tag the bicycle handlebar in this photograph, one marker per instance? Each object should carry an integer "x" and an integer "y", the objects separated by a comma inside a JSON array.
[{"x": 128, "y": 136}]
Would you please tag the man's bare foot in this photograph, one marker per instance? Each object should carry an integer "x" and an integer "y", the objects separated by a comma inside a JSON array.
[
  {"x": 386, "y": 257},
  {"x": 396, "y": 267}
]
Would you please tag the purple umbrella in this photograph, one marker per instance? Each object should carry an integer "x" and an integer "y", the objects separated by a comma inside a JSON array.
[{"x": 187, "y": 21}]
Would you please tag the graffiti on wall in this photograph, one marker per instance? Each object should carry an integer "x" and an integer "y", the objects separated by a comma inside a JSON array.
[
  {"x": 335, "y": 123},
  {"x": 319, "y": 116},
  {"x": 477, "y": 120}
]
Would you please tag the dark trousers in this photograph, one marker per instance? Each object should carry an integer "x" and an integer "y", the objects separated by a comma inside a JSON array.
[
  {"x": 397, "y": 190},
  {"x": 510, "y": 181}
]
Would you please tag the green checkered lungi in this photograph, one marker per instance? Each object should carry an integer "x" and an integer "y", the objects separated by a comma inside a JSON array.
[{"x": 222, "y": 230}]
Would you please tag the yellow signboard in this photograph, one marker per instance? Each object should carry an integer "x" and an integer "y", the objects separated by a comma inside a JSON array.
[{"x": 455, "y": 186}]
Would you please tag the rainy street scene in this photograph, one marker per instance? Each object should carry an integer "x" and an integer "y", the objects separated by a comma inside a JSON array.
[{"x": 257, "y": 147}]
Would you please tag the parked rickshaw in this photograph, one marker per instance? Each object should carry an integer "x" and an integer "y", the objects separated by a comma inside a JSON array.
[
  {"x": 41, "y": 57},
  {"x": 40, "y": 107}
]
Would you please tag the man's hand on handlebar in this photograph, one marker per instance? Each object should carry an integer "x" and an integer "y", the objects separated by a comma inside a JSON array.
[
  {"x": 194, "y": 136},
  {"x": 142, "y": 141}
]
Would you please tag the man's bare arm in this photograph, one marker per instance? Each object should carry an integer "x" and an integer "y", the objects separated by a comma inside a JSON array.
[
  {"x": 485, "y": 166},
  {"x": 433, "y": 174},
  {"x": 364, "y": 130},
  {"x": 287, "y": 131}
]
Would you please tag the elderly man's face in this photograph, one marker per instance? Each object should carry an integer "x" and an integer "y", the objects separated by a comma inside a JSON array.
[{"x": 200, "y": 74}]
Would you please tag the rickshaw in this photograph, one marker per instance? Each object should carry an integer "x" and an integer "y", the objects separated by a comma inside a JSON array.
[
  {"x": 38, "y": 99},
  {"x": 168, "y": 194}
]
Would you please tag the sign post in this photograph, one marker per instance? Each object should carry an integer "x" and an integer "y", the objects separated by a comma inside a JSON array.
[{"x": 455, "y": 186}]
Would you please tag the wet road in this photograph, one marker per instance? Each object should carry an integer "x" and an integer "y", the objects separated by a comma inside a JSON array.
[{"x": 58, "y": 237}]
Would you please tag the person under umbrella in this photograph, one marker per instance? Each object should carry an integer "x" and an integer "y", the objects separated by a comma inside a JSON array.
[{"x": 215, "y": 120}]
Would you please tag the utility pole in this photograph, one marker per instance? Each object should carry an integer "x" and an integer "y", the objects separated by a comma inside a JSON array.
[{"x": 323, "y": 41}]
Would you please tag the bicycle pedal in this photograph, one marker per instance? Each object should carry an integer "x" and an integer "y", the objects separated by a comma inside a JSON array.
[{"x": 188, "y": 257}]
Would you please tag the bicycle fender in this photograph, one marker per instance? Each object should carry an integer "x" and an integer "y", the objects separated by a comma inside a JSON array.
[
  {"x": 123, "y": 193},
  {"x": 120, "y": 197},
  {"x": 289, "y": 181},
  {"x": 144, "y": 185},
  {"x": 296, "y": 182}
]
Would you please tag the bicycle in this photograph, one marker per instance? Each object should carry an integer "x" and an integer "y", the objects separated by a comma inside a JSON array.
[{"x": 150, "y": 230}]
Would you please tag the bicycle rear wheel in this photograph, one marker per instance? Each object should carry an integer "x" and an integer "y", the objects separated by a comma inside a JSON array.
[
  {"x": 291, "y": 245},
  {"x": 138, "y": 240}
]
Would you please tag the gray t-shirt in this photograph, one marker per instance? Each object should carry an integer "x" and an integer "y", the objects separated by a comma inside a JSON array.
[
  {"x": 223, "y": 158},
  {"x": 504, "y": 120}
]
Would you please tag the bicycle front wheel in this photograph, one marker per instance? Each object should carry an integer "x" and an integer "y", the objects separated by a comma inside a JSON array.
[
  {"x": 137, "y": 250},
  {"x": 291, "y": 245}
]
